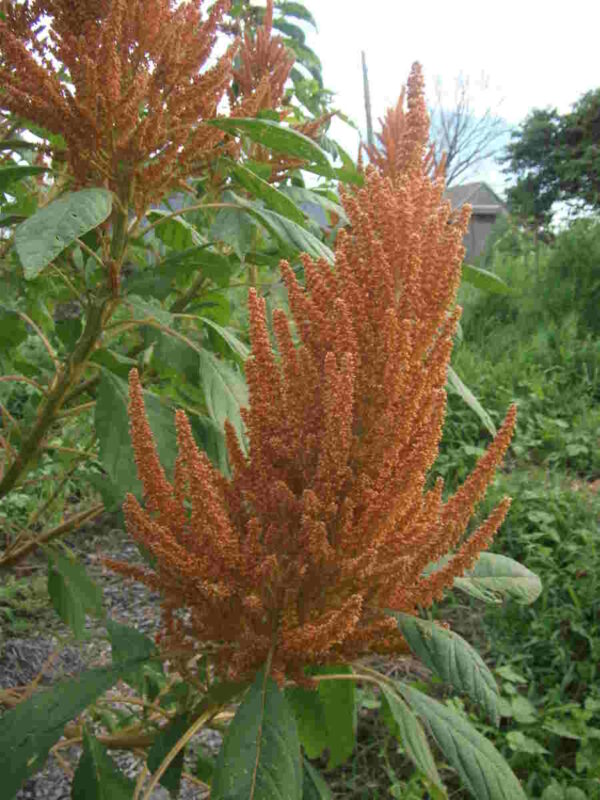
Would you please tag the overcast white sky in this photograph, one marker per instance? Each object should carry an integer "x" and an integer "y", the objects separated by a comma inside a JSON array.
[{"x": 536, "y": 53}]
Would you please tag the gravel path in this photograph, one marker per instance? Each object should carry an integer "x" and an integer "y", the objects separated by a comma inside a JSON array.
[{"x": 22, "y": 659}]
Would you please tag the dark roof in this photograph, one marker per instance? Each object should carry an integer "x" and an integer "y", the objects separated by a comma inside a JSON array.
[{"x": 479, "y": 195}]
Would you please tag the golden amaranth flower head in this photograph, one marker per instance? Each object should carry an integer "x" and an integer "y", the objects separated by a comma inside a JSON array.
[
  {"x": 126, "y": 83},
  {"x": 328, "y": 520}
]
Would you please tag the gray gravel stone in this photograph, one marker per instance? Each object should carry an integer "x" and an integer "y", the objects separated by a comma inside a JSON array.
[{"x": 130, "y": 603}]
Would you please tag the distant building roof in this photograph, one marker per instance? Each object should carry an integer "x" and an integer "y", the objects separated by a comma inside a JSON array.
[{"x": 483, "y": 199}]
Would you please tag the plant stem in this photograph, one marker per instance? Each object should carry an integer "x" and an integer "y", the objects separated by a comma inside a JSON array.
[
  {"x": 64, "y": 379},
  {"x": 177, "y": 747},
  {"x": 12, "y": 556}
]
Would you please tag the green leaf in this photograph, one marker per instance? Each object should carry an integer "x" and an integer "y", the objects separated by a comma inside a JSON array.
[
  {"x": 313, "y": 785},
  {"x": 225, "y": 391},
  {"x": 175, "y": 232},
  {"x": 13, "y": 330},
  {"x": 454, "y": 660},
  {"x": 344, "y": 174},
  {"x": 53, "y": 228},
  {"x": 72, "y": 592},
  {"x": 68, "y": 331},
  {"x": 211, "y": 439},
  {"x": 28, "y": 731},
  {"x": 276, "y": 137},
  {"x": 308, "y": 59},
  {"x": 458, "y": 387},
  {"x": 114, "y": 362},
  {"x": 326, "y": 717},
  {"x": 149, "y": 309},
  {"x": 97, "y": 776},
  {"x": 291, "y": 30},
  {"x": 112, "y": 428},
  {"x": 235, "y": 228},
  {"x": 297, "y": 10},
  {"x": 205, "y": 767},
  {"x": 293, "y": 237},
  {"x": 127, "y": 643},
  {"x": 310, "y": 714},
  {"x": 494, "y": 577},
  {"x": 409, "y": 731},
  {"x": 163, "y": 744},
  {"x": 520, "y": 743},
  {"x": 260, "y": 755},
  {"x": 238, "y": 347},
  {"x": 484, "y": 280},
  {"x": 480, "y": 766},
  {"x": 265, "y": 191},
  {"x": 301, "y": 195},
  {"x": 17, "y": 172}
]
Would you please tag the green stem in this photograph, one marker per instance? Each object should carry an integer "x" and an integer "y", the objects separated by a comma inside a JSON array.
[{"x": 64, "y": 379}]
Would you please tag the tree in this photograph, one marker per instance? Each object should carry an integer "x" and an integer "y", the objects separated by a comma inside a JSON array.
[
  {"x": 536, "y": 190},
  {"x": 555, "y": 157},
  {"x": 465, "y": 137}
]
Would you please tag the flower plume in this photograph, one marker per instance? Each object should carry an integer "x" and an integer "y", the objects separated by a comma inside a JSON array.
[
  {"x": 129, "y": 85},
  {"x": 329, "y": 519}
]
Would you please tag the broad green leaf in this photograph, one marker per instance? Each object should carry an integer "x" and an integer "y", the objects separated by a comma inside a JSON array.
[
  {"x": 326, "y": 718},
  {"x": 495, "y": 576},
  {"x": 13, "y": 330},
  {"x": 127, "y": 643},
  {"x": 239, "y": 348},
  {"x": 291, "y": 30},
  {"x": 114, "y": 362},
  {"x": 310, "y": 714},
  {"x": 158, "y": 281},
  {"x": 97, "y": 777},
  {"x": 68, "y": 331},
  {"x": 72, "y": 591},
  {"x": 260, "y": 755},
  {"x": 168, "y": 737},
  {"x": 112, "y": 428},
  {"x": 313, "y": 785},
  {"x": 455, "y": 385},
  {"x": 53, "y": 228},
  {"x": 301, "y": 195},
  {"x": 215, "y": 266},
  {"x": 28, "y": 731},
  {"x": 205, "y": 767},
  {"x": 225, "y": 391},
  {"x": 409, "y": 731},
  {"x": 265, "y": 191},
  {"x": 484, "y": 280},
  {"x": 298, "y": 10},
  {"x": 148, "y": 309},
  {"x": 293, "y": 237},
  {"x": 175, "y": 232},
  {"x": 276, "y": 137},
  {"x": 236, "y": 229},
  {"x": 520, "y": 743},
  {"x": 215, "y": 306},
  {"x": 342, "y": 174},
  {"x": 453, "y": 659},
  {"x": 308, "y": 59},
  {"x": 480, "y": 766},
  {"x": 212, "y": 441},
  {"x": 17, "y": 172}
]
